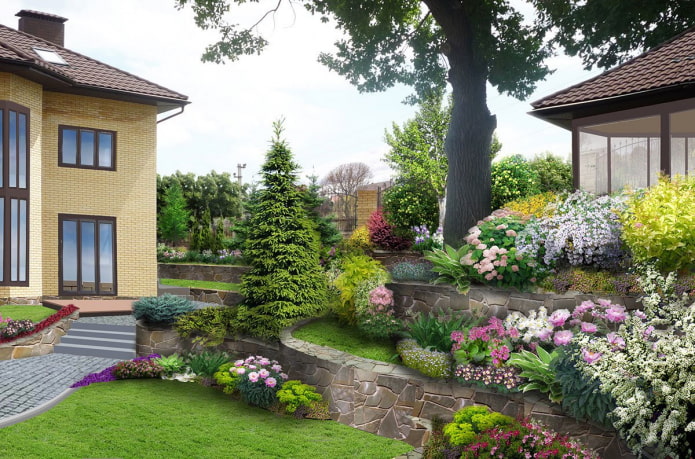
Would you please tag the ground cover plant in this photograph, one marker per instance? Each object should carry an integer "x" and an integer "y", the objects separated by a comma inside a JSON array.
[
  {"x": 35, "y": 313},
  {"x": 166, "y": 254},
  {"x": 196, "y": 421},
  {"x": 11, "y": 330},
  {"x": 211, "y": 285},
  {"x": 329, "y": 332}
]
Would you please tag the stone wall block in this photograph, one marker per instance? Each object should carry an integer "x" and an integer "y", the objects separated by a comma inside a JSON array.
[
  {"x": 394, "y": 383},
  {"x": 458, "y": 301},
  {"x": 496, "y": 402},
  {"x": 524, "y": 305},
  {"x": 407, "y": 397},
  {"x": 372, "y": 427},
  {"x": 389, "y": 427},
  {"x": 430, "y": 409},
  {"x": 438, "y": 388},
  {"x": 367, "y": 387},
  {"x": 365, "y": 375},
  {"x": 447, "y": 402},
  {"x": 343, "y": 376},
  {"x": 367, "y": 414}
]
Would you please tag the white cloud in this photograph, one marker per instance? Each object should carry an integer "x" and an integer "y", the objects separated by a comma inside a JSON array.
[{"x": 234, "y": 105}]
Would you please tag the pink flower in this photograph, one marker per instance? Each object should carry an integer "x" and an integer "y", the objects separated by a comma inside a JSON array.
[
  {"x": 467, "y": 259},
  {"x": 588, "y": 327},
  {"x": 264, "y": 373},
  {"x": 616, "y": 313},
  {"x": 253, "y": 376},
  {"x": 615, "y": 340},
  {"x": 457, "y": 336},
  {"x": 501, "y": 227},
  {"x": 481, "y": 246},
  {"x": 513, "y": 332},
  {"x": 510, "y": 233},
  {"x": 238, "y": 363},
  {"x": 647, "y": 333},
  {"x": 559, "y": 317},
  {"x": 489, "y": 276},
  {"x": 590, "y": 356},
  {"x": 252, "y": 367},
  {"x": 544, "y": 334},
  {"x": 533, "y": 279},
  {"x": 563, "y": 338},
  {"x": 586, "y": 306},
  {"x": 276, "y": 368},
  {"x": 500, "y": 277},
  {"x": 264, "y": 361},
  {"x": 240, "y": 371},
  {"x": 640, "y": 314},
  {"x": 271, "y": 382},
  {"x": 639, "y": 225},
  {"x": 283, "y": 376},
  {"x": 475, "y": 241},
  {"x": 515, "y": 268}
]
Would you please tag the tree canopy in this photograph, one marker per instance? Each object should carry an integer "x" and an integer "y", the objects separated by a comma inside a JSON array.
[{"x": 467, "y": 43}]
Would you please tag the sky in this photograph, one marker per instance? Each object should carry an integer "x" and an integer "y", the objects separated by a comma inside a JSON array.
[{"x": 233, "y": 106}]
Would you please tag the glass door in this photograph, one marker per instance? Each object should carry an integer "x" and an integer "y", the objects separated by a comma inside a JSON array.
[{"x": 87, "y": 246}]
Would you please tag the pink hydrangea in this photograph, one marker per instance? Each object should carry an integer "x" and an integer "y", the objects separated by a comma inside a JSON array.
[{"x": 381, "y": 296}]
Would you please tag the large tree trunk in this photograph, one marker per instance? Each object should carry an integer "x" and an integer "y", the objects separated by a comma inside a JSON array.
[{"x": 470, "y": 130}]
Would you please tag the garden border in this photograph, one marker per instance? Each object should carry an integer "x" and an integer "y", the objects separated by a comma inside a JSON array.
[{"x": 40, "y": 343}]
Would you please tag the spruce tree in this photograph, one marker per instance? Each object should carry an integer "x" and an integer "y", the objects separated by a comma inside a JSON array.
[
  {"x": 173, "y": 218},
  {"x": 285, "y": 282}
]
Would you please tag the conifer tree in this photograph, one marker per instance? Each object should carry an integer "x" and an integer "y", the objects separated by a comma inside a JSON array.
[
  {"x": 173, "y": 219},
  {"x": 285, "y": 282}
]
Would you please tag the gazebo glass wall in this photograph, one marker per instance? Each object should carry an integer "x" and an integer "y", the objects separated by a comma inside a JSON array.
[{"x": 631, "y": 148}]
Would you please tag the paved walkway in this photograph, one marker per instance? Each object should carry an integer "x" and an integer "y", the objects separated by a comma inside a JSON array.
[{"x": 35, "y": 384}]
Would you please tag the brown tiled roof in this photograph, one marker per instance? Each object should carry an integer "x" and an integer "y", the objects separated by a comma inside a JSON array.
[
  {"x": 670, "y": 64},
  {"x": 81, "y": 72}
]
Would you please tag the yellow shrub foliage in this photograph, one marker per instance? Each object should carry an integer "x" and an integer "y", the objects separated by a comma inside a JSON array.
[{"x": 539, "y": 205}]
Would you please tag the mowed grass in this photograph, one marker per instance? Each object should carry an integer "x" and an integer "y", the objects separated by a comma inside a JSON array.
[
  {"x": 329, "y": 332},
  {"x": 35, "y": 313},
  {"x": 201, "y": 284},
  {"x": 168, "y": 419}
]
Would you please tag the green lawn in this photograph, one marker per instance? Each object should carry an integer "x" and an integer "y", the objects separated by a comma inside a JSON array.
[
  {"x": 201, "y": 284},
  {"x": 35, "y": 313},
  {"x": 329, "y": 332},
  {"x": 169, "y": 419}
]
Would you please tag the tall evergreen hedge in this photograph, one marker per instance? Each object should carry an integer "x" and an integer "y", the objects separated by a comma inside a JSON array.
[{"x": 285, "y": 282}]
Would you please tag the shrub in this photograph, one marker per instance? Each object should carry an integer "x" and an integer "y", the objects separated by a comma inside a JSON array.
[
  {"x": 285, "y": 282},
  {"x": 472, "y": 420},
  {"x": 657, "y": 229},
  {"x": 539, "y": 205},
  {"x": 259, "y": 379},
  {"x": 590, "y": 281},
  {"x": 383, "y": 235},
  {"x": 164, "y": 309},
  {"x": 226, "y": 377},
  {"x": 512, "y": 178},
  {"x": 554, "y": 174},
  {"x": 434, "y": 364},
  {"x": 355, "y": 270},
  {"x": 358, "y": 242},
  {"x": 205, "y": 364},
  {"x": 207, "y": 326},
  {"x": 137, "y": 369},
  {"x": 374, "y": 310},
  {"x": 413, "y": 271},
  {"x": 491, "y": 255},
  {"x": 431, "y": 333},
  {"x": 411, "y": 203},
  {"x": 294, "y": 394}
]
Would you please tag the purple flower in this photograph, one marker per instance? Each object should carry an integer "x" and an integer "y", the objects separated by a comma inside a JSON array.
[
  {"x": 588, "y": 327},
  {"x": 615, "y": 340},
  {"x": 648, "y": 332},
  {"x": 582, "y": 308},
  {"x": 545, "y": 334},
  {"x": 563, "y": 338},
  {"x": 559, "y": 317},
  {"x": 590, "y": 356},
  {"x": 276, "y": 368}
]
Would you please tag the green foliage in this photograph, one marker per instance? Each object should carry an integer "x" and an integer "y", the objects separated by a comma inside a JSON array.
[
  {"x": 171, "y": 364},
  {"x": 358, "y": 243},
  {"x": 430, "y": 363},
  {"x": 164, "y": 309},
  {"x": 137, "y": 369},
  {"x": 512, "y": 178},
  {"x": 412, "y": 271},
  {"x": 355, "y": 270},
  {"x": 472, "y": 420},
  {"x": 207, "y": 326},
  {"x": 581, "y": 397},
  {"x": 295, "y": 394},
  {"x": 410, "y": 203},
  {"x": 434, "y": 334},
  {"x": 447, "y": 264},
  {"x": 174, "y": 216},
  {"x": 537, "y": 368},
  {"x": 213, "y": 191},
  {"x": 225, "y": 378},
  {"x": 554, "y": 174},
  {"x": 203, "y": 237},
  {"x": 206, "y": 364},
  {"x": 285, "y": 282},
  {"x": 329, "y": 235},
  {"x": 656, "y": 228}
]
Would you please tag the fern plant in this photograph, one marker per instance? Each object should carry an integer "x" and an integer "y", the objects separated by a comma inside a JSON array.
[
  {"x": 537, "y": 368},
  {"x": 447, "y": 264}
]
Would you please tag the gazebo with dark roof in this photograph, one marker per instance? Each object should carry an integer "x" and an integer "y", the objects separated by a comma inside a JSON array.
[{"x": 631, "y": 122}]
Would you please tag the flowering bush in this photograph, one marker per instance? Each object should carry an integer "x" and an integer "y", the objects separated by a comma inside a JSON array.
[
  {"x": 585, "y": 230},
  {"x": 374, "y": 311},
  {"x": 383, "y": 235},
  {"x": 539, "y": 205},
  {"x": 107, "y": 374},
  {"x": 11, "y": 329},
  {"x": 47, "y": 322},
  {"x": 426, "y": 240},
  {"x": 482, "y": 345},
  {"x": 257, "y": 379},
  {"x": 524, "y": 439},
  {"x": 434, "y": 364},
  {"x": 356, "y": 269},
  {"x": 491, "y": 255},
  {"x": 137, "y": 369},
  {"x": 656, "y": 228}
]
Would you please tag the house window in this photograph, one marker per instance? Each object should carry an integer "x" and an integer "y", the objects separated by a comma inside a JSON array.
[
  {"x": 683, "y": 142},
  {"x": 87, "y": 148},
  {"x": 14, "y": 194},
  {"x": 87, "y": 255}
]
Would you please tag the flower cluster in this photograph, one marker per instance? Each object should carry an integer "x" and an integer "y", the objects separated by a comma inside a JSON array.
[
  {"x": 47, "y": 322},
  {"x": 426, "y": 240},
  {"x": 483, "y": 345},
  {"x": 173, "y": 254},
  {"x": 258, "y": 379},
  {"x": 525, "y": 439},
  {"x": 434, "y": 364},
  {"x": 13, "y": 328},
  {"x": 107, "y": 374},
  {"x": 376, "y": 319},
  {"x": 490, "y": 375},
  {"x": 137, "y": 369}
]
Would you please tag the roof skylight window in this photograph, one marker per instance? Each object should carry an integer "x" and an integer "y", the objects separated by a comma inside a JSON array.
[{"x": 50, "y": 56}]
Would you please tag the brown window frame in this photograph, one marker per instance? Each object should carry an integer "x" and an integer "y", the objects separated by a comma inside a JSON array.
[
  {"x": 9, "y": 192},
  {"x": 78, "y": 149},
  {"x": 82, "y": 218}
]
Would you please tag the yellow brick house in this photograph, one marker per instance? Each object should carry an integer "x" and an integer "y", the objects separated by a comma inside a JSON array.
[{"x": 77, "y": 169}]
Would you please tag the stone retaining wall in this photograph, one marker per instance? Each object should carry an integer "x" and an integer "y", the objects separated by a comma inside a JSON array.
[
  {"x": 386, "y": 399},
  {"x": 418, "y": 297},
  {"x": 221, "y": 297},
  {"x": 40, "y": 343},
  {"x": 216, "y": 273}
]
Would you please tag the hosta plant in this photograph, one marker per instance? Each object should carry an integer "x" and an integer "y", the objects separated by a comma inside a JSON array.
[
  {"x": 536, "y": 367},
  {"x": 446, "y": 263}
]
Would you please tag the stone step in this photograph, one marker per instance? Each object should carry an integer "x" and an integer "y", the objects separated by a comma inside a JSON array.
[
  {"x": 122, "y": 335},
  {"x": 95, "y": 351},
  {"x": 98, "y": 340},
  {"x": 115, "y": 343},
  {"x": 77, "y": 325}
]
